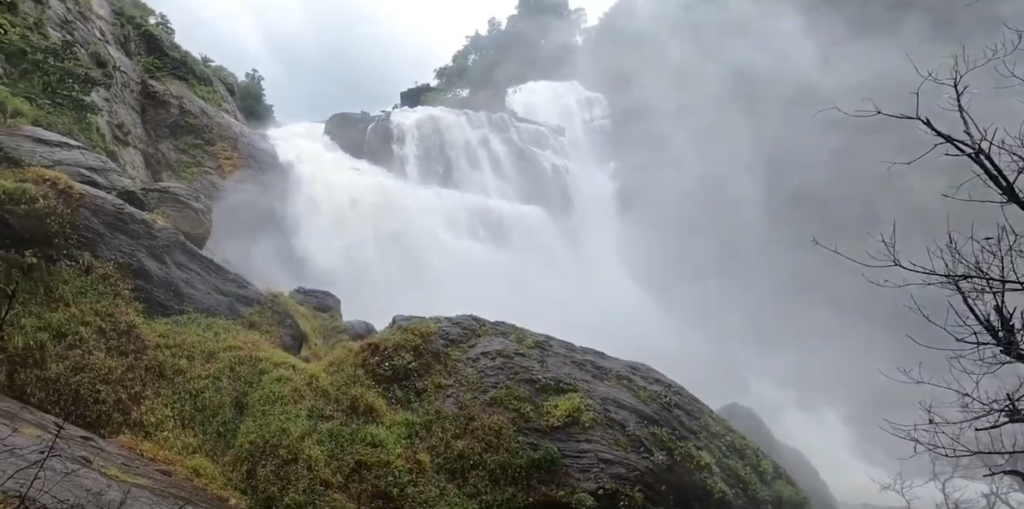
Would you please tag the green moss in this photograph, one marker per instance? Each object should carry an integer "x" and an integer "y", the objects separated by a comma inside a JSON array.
[
  {"x": 323, "y": 331},
  {"x": 523, "y": 339},
  {"x": 41, "y": 202},
  {"x": 572, "y": 409},
  {"x": 515, "y": 400}
]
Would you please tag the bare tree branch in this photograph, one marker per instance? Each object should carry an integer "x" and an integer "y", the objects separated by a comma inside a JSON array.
[{"x": 976, "y": 414}]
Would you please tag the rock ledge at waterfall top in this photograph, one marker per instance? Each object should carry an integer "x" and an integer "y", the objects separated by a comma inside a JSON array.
[
  {"x": 371, "y": 137},
  {"x": 531, "y": 157}
]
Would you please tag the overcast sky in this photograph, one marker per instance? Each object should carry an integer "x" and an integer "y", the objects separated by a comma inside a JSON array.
[{"x": 326, "y": 56}]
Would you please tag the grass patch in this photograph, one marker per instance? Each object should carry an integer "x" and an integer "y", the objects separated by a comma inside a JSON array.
[
  {"x": 195, "y": 469},
  {"x": 380, "y": 423},
  {"x": 572, "y": 409}
]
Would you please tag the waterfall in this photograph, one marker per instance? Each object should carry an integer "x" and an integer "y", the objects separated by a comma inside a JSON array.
[{"x": 504, "y": 217}]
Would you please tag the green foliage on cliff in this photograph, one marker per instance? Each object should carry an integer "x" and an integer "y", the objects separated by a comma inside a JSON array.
[
  {"x": 367, "y": 425},
  {"x": 539, "y": 41},
  {"x": 148, "y": 37},
  {"x": 252, "y": 100},
  {"x": 45, "y": 80}
]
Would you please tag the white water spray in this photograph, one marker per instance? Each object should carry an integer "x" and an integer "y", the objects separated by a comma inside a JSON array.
[{"x": 495, "y": 217}]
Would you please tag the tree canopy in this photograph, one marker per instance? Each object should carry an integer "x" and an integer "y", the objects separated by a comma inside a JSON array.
[{"x": 538, "y": 41}]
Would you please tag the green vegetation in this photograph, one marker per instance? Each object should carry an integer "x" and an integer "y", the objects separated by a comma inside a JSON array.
[
  {"x": 46, "y": 81},
  {"x": 725, "y": 459},
  {"x": 539, "y": 41},
  {"x": 380, "y": 423},
  {"x": 148, "y": 37},
  {"x": 568, "y": 409}
]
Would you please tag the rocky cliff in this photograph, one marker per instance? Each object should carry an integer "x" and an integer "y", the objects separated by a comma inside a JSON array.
[
  {"x": 121, "y": 107},
  {"x": 803, "y": 472},
  {"x": 137, "y": 372}
]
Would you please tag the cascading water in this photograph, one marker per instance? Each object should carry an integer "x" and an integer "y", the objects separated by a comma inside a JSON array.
[{"x": 472, "y": 226}]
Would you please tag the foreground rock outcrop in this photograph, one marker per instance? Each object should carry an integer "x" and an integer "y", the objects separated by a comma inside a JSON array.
[
  {"x": 61, "y": 465},
  {"x": 803, "y": 472}
]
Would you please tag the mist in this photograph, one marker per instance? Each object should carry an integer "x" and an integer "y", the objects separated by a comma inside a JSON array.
[
  {"x": 724, "y": 216},
  {"x": 730, "y": 169}
]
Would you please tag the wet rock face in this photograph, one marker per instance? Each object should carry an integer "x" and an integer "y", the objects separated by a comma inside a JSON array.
[
  {"x": 31, "y": 146},
  {"x": 177, "y": 205}
]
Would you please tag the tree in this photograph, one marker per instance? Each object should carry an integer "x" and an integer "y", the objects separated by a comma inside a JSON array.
[
  {"x": 251, "y": 99},
  {"x": 978, "y": 412},
  {"x": 957, "y": 484},
  {"x": 163, "y": 23},
  {"x": 537, "y": 42}
]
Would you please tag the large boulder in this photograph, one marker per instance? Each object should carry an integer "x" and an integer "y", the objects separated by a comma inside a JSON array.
[
  {"x": 179, "y": 206},
  {"x": 55, "y": 464},
  {"x": 359, "y": 330},
  {"x": 627, "y": 435},
  {"x": 363, "y": 136},
  {"x": 321, "y": 301},
  {"x": 803, "y": 472}
]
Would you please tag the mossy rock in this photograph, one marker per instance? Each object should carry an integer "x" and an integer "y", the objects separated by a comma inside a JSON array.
[{"x": 628, "y": 436}]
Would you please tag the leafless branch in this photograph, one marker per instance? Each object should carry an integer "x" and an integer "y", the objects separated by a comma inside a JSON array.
[{"x": 978, "y": 407}]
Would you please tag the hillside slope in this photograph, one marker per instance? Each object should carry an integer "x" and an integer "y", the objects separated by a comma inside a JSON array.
[{"x": 803, "y": 472}]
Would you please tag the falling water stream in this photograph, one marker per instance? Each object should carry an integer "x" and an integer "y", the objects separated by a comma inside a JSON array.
[{"x": 524, "y": 228}]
